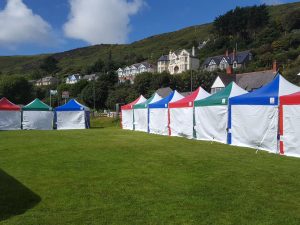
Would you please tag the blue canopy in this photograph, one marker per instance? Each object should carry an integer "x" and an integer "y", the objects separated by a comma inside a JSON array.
[
  {"x": 266, "y": 95},
  {"x": 163, "y": 103},
  {"x": 72, "y": 105}
]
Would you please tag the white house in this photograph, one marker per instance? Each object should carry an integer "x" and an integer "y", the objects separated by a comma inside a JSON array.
[
  {"x": 130, "y": 72},
  {"x": 73, "y": 79},
  {"x": 178, "y": 61}
]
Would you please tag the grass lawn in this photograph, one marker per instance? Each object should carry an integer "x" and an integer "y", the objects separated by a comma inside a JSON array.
[{"x": 110, "y": 176}]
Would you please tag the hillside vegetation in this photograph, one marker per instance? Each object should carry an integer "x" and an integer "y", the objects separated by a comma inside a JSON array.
[
  {"x": 271, "y": 33},
  {"x": 273, "y": 37}
]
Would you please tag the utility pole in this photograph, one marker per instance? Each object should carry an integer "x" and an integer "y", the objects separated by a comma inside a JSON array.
[
  {"x": 191, "y": 80},
  {"x": 94, "y": 96},
  {"x": 50, "y": 97}
]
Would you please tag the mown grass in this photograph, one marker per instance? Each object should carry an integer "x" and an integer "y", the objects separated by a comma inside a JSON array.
[{"x": 110, "y": 176}]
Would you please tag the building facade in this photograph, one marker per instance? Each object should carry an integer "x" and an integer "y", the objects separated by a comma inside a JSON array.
[
  {"x": 178, "y": 62},
  {"x": 234, "y": 60},
  {"x": 90, "y": 77},
  {"x": 248, "y": 81},
  {"x": 129, "y": 72},
  {"x": 46, "y": 81},
  {"x": 73, "y": 79}
]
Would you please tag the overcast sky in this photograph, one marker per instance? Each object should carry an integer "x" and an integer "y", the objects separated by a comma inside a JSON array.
[{"x": 44, "y": 26}]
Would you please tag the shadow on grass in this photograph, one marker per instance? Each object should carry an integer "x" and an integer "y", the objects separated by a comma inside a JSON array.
[{"x": 15, "y": 198}]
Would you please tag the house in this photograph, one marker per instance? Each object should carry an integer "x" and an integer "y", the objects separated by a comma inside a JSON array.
[
  {"x": 73, "y": 79},
  {"x": 178, "y": 61},
  {"x": 46, "y": 81},
  {"x": 90, "y": 77},
  {"x": 235, "y": 60},
  {"x": 129, "y": 72},
  {"x": 221, "y": 82},
  {"x": 247, "y": 81}
]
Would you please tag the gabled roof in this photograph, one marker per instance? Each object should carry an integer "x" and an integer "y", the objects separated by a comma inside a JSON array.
[
  {"x": 188, "y": 101},
  {"x": 217, "y": 59},
  {"x": 239, "y": 57},
  {"x": 72, "y": 105},
  {"x": 37, "y": 105},
  {"x": 75, "y": 76},
  {"x": 163, "y": 103},
  {"x": 164, "y": 58},
  {"x": 136, "y": 65},
  {"x": 6, "y": 105},
  {"x": 226, "y": 79},
  {"x": 221, "y": 97},
  {"x": 45, "y": 79},
  {"x": 254, "y": 80},
  {"x": 154, "y": 98},
  {"x": 90, "y": 77},
  {"x": 137, "y": 101},
  {"x": 268, "y": 94}
]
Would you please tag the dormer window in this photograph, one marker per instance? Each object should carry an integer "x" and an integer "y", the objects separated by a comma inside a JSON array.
[{"x": 234, "y": 64}]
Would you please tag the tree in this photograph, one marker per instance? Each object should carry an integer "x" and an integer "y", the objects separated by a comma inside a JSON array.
[
  {"x": 97, "y": 91},
  {"x": 122, "y": 93},
  {"x": 49, "y": 65},
  {"x": 77, "y": 88},
  {"x": 243, "y": 22},
  {"x": 17, "y": 89},
  {"x": 291, "y": 21}
]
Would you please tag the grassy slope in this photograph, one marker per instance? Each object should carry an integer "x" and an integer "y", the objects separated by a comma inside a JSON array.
[
  {"x": 74, "y": 60},
  {"x": 107, "y": 175},
  {"x": 152, "y": 47}
]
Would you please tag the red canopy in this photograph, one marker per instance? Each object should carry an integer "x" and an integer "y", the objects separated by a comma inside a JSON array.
[
  {"x": 293, "y": 99},
  {"x": 6, "y": 105},
  {"x": 130, "y": 105},
  {"x": 188, "y": 101}
]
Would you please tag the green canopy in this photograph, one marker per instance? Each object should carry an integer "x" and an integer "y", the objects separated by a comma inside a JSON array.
[
  {"x": 221, "y": 97},
  {"x": 154, "y": 98},
  {"x": 37, "y": 105}
]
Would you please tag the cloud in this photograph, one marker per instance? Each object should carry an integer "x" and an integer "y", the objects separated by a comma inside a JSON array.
[
  {"x": 19, "y": 25},
  {"x": 271, "y": 2},
  {"x": 101, "y": 21}
]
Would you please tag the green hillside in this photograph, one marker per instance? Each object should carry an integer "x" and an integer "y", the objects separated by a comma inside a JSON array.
[{"x": 150, "y": 48}]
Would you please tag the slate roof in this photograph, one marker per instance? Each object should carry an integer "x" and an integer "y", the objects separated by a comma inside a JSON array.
[
  {"x": 137, "y": 65},
  {"x": 76, "y": 76},
  {"x": 240, "y": 58},
  {"x": 254, "y": 80},
  {"x": 47, "y": 79},
  {"x": 164, "y": 58},
  {"x": 227, "y": 79},
  {"x": 90, "y": 77},
  {"x": 164, "y": 92}
]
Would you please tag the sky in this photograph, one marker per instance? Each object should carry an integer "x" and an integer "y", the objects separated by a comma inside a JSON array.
[{"x": 30, "y": 27}]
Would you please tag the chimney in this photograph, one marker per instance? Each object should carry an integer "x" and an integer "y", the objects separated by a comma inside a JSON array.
[
  {"x": 226, "y": 53},
  {"x": 193, "y": 51},
  {"x": 275, "y": 66},
  {"x": 229, "y": 70},
  {"x": 234, "y": 54}
]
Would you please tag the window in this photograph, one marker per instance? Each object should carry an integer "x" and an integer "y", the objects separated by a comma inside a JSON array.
[{"x": 234, "y": 65}]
